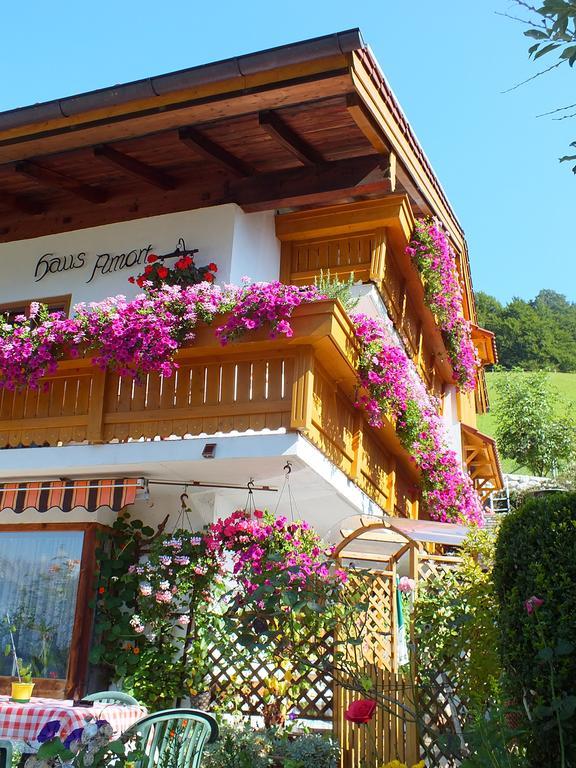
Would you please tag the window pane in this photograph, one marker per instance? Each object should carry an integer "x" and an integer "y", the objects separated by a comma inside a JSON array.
[{"x": 39, "y": 572}]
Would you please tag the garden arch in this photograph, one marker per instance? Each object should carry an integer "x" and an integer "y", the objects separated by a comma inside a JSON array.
[{"x": 380, "y": 551}]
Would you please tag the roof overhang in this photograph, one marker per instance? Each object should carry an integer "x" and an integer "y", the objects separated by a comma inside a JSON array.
[
  {"x": 485, "y": 343},
  {"x": 480, "y": 455}
]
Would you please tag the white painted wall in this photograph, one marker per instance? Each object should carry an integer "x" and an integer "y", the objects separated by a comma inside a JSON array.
[
  {"x": 255, "y": 248},
  {"x": 450, "y": 418},
  {"x": 238, "y": 243}
]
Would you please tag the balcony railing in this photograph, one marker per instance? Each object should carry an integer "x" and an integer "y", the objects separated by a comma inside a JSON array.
[{"x": 305, "y": 384}]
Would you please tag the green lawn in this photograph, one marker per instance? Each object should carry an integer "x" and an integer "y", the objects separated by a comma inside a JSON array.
[{"x": 564, "y": 383}]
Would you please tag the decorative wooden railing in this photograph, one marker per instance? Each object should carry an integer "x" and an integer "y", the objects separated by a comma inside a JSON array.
[
  {"x": 305, "y": 383},
  {"x": 368, "y": 239}
]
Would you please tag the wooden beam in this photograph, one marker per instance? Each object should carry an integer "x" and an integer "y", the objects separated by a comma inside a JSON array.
[
  {"x": 207, "y": 148},
  {"x": 20, "y": 204},
  {"x": 371, "y": 130},
  {"x": 59, "y": 180},
  {"x": 142, "y": 171},
  {"x": 367, "y": 124},
  {"x": 275, "y": 127},
  {"x": 326, "y": 182}
]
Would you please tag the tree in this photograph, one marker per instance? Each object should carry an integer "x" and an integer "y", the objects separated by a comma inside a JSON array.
[
  {"x": 532, "y": 335},
  {"x": 530, "y": 431},
  {"x": 553, "y": 27}
]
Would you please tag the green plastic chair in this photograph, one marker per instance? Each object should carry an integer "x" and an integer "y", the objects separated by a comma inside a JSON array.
[
  {"x": 5, "y": 753},
  {"x": 111, "y": 697},
  {"x": 173, "y": 737}
]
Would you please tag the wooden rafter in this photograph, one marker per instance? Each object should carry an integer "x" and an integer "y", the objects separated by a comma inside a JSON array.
[
  {"x": 20, "y": 204},
  {"x": 205, "y": 147},
  {"x": 59, "y": 180},
  {"x": 134, "y": 167},
  {"x": 355, "y": 177},
  {"x": 274, "y": 125},
  {"x": 364, "y": 120}
]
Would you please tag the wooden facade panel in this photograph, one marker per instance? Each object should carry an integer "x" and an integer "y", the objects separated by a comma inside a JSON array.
[
  {"x": 342, "y": 257},
  {"x": 407, "y": 497},
  {"x": 376, "y": 470},
  {"x": 333, "y": 421}
]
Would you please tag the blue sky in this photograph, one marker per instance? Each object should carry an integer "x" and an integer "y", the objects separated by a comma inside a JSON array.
[{"x": 448, "y": 62}]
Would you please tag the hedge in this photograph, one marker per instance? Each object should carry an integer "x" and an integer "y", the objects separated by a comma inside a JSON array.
[{"x": 536, "y": 556}]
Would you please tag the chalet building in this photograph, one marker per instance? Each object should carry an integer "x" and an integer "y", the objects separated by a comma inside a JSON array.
[{"x": 276, "y": 165}]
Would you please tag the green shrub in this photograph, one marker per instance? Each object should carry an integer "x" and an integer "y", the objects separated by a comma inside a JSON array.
[
  {"x": 238, "y": 747},
  {"x": 455, "y": 628},
  {"x": 307, "y": 750},
  {"x": 536, "y": 556}
]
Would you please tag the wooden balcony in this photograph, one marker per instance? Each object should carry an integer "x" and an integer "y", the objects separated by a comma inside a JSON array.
[
  {"x": 368, "y": 239},
  {"x": 305, "y": 384}
]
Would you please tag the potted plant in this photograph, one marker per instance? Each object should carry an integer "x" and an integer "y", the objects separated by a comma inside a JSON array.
[{"x": 22, "y": 690}]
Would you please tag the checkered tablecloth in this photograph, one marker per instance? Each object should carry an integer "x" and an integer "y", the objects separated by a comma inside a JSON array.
[{"x": 23, "y": 722}]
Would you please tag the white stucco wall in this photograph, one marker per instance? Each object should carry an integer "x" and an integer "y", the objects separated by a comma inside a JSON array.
[{"x": 240, "y": 244}]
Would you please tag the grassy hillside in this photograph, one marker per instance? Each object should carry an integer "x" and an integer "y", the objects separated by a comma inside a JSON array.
[{"x": 565, "y": 383}]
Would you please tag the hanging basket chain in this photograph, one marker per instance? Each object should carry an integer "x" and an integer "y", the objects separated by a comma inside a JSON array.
[
  {"x": 286, "y": 486},
  {"x": 184, "y": 520},
  {"x": 250, "y": 506}
]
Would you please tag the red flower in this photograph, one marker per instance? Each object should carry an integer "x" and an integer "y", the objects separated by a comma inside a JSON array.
[
  {"x": 209, "y": 277},
  {"x": 180, "y": 264},
  {"x": 147, "y": 270},
  {"x": 101, "y": 590},
  {"x": 361, "y": 711},
  {"x": 140, "y": 282},
  {"x": 162, "y": 272},
  {"x": 259, "y": 514},
  {"x": 131, "y": 279},
  {"x": 532, "y": 604},
  {"x": 152, "y": 258},
  {"x": 212, "y": 267}
]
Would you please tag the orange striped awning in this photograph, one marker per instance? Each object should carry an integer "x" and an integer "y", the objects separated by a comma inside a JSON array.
[{"x": 69, "y": 494}]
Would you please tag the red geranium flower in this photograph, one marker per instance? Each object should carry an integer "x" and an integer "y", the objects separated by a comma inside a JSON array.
[
  {"x": 152, "y": 258},
  {"x": 147, "y": 270},
  {"x": 162, "y": 272},
  {"x": 131, "y": 279},
  {"x": 361, "y": 711},
  {"x": 209, "y": 277},
  {"x": 212, "y": 267}
]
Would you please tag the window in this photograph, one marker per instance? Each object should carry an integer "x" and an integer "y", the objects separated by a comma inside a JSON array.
[
  {"x": 39, "y": 580},
  {"x": 47, "y": 573},
  {"x": 55, "y": 304}
]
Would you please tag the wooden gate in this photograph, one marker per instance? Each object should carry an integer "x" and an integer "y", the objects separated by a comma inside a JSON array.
[{"x": 405, "y": 710}]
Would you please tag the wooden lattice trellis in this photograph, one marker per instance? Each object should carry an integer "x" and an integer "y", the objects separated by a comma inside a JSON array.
[
  {"x": 243, "y": 677},
  {"x": 393, "y": 732}
]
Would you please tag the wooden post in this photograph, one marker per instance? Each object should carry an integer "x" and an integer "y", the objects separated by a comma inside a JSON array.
[
  {"x": 303, "y": 390},
  {"x": 378, "y": 263},
  {"x": 95, "y": 427},
  {"x": 412, "y": 739},
  {"x": 286, "y": 262},
  {"x": 356, "y": 470}
]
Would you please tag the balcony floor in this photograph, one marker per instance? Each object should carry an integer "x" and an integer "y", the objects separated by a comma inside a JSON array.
[{"x": 322, "y": 494}]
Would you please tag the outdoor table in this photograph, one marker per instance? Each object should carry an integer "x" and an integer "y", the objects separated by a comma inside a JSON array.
[{"x": 23, "y": 722}]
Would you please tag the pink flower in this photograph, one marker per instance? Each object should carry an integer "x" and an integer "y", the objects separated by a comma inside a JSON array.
[
  {"x": 406, "y": 585},
  {"x": 533, "y": 604}
]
